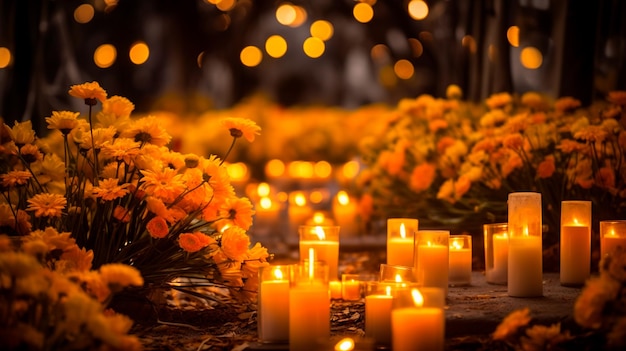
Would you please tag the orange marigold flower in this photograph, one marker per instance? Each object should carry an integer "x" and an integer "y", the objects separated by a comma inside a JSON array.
[
  {"x": 47, "y": 205},
  {"x": 444, "y": 143},
  {"x": 238, "y": 211},
  {"x": 546, "y": 168},
  {"x": 437, "y": 124},
  {"x": 591, "y": 133},
  {"x": 498, "y": 100},
  {"x": 513, "y": 141},
  {"x": 566, "y": 104},
  {"x": 568, "y": 146},
  {"x": 453, "y": 91},
  {"x": 165, "y": 184},
  {"x": 109, "y": 189},
  {"x": 121, "y": 214},
  {"x": 190, "y": 242},
  {"x": 511, "y": 323},
  {"x": 90, "y": 91},
  {"x": 422, "y": 177},
  {"x": 22, "y": 133},
  {"x": 205, "y": 240},
  {"x": 239, "y": 127},
  {"x": 120, "y": 275},
  {"x": 235, "y": 243},
  {"x": 157, "y": 227},
  {"x": 64, "y": 121},
  {"x": 15, "y": 178},
  {"x": 118, "y": 105},
  {"x": 462, "y": 186},
  {"x": 148, "y": 130}
]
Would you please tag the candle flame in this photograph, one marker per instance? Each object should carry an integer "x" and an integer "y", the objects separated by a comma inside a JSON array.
[
  {"x": 265, "y": 203},
  {"x": 388, "y": 290},
  {"x": 612, "y": 232},
  {"x": 278, "y": 274},
  {"x": 299, "y": 200},
  {"x": 318, "y": 217},
  {"x": 319, "y": 231},
  {"x": 418, "y": 299},
  {"x": 456, "y": 245},
  {"x": 311, "y": 262},
  {"x": 398, "y": 278},
  {"x": 526, "y": 230},
  {"x": 343, "y": 198},
  {"x": 263, "y": 189},
  {"x": 576, "y": 221},
  {"x": 345, "y": 344},
  {"x": 402, "y": 231}
]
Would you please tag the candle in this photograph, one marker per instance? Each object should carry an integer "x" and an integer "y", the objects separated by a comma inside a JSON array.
[
  {"x": 612, "y": 236},
  {"x": 335, "y": 289},
  {"x": 394, "y": 273},
  {"x": 266, "y": 217},
  {"x": 273, "y": 317},
  {"x": 378, "y": 304},
  {"x": 432, "y": 258},
  {"x": 416, "y": 327},
  {"x": 309, "y": 306},
  {"x": 298, "y": 212},
  {"x": 319, "y": 218},
  {"x": 575, "y": 242},
  {"x": 325, "y": 241},
  {"x": 460, "y": 264},
  {"x": 496, "y": 252},
  {"x": 525, "y": 268},
  {"x": 345, "y": 214},
  {"x": 350, "y": 287},
  {"x": 401, "y": 241}
]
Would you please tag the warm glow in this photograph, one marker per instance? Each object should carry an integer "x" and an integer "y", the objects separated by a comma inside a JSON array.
[
  {"x": 531, "y": 58},
  {"x": 404, "y": 69},
  {"x": 282, "y": 196},
  {"x": 300, "y": 169},
  {"x": 363, "y": 12},
  {"x": 5, "y": 57},
  {"x": 311, "y": 262},
  {"x": 105, "y": 55},
  {"x": 343, "y": 198},
  {"x": 301, "y": 16},
  {"x": 398, "y": 278},
  {"x": 456, "y": 244},
  {"x": 379, "y": 53},
  {"x": 418, "y": 9},
  {"x": 285, "y": 14},
  {"x": 526, "y": 233},
  {"x": 416, "y": 47},
  {"x": 266, "y": 203},
  {"x": 402, "y": 231},
  {"x": 322, "y": 169},
  {"x": 263, "y": 189},
  {"x": 512, "y": 34},
  {"x": 350, "y": 169},
  {"x": 84, "y": 13},
  {"x": 278, "y": 274},
  {"x": 225, "y": 5},
  {"x": 469, "y": 42},
  {"x": 276, "y": 46},
  {"x": 316, "y": 197},
  {"x": 314, "y": 47},
  {"x": 251, "y": 56},
  {"x": 139, "y": 53},
  {"x": 322, "y": 29},
  {"x": 299, "y": 199},
  {"x": 418, "y": 299},
  {"x": 387, "y": 77},
  {"x": 388, "y": 290},
  {"x": 237, "y": 171},
  {"x": 319, "y": 231},
  {"x": 275, "y": 168},
  {"x": 319, "y": 217},
  {"x": 345, "y": 344}
]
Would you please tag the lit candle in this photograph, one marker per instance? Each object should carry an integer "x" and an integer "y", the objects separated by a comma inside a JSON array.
[
  {"x": 273, "y": 317},
  {"x": 417, "y": 327},
  {"x": 320, "y": 218},
  {"x": 350, "y": 287},
  {"x": 335, "y": 289},
  {"x": 325, "y": 241},
  {"x": 298, "y": 212},
  {"x": 460, "y": 266},
  {"x": 432, "y": 258},
  {"x": 612, "y": 236},
  {"x": 309, "y": 306},
  {"x": 525, "y": 267},
  {"x": 378, "y": 304},
  {"x": 266, "y": 217},
  {"x": 401, "y": 241},
  {"x": 345, "y": 214},
  {"x": 575, "y": 242}
]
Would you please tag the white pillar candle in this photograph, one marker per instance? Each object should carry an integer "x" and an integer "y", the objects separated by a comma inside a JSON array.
[
  {"x": 334, "y": 286},
  {"x": 432, "y": 258},
  {"x": 525, "y": 268},
  {"x": 325, "y": 241},
  {"x": 345, "y": 214},
  {"x": 350, "y": 287},
  {"x": 417, "y": 328},
  {"x": 401, "y": 241},
  {"x": 309, "y": 306},
  {"x": 273, "y": 317},
  {"x": 378, "y": 305},
  {"x": 298, "y": 212},
  {"x": 460, "y": 266},
  {"x": 575, "y": 242},
  {"x": 612, "y": 236},
  {"x": 496, "y": 252}
]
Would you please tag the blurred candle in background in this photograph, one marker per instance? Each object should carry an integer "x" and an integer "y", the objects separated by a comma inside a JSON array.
[
  {"x": 612, "y": 236},
  {"x": 460, "y": 267},
  {"x": 345, "y": 214},
  {"x": 575, "y": 244},
  {"x": 298, "y": 212}
]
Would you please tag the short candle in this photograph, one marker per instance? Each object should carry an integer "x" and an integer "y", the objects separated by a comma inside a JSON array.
[
  {"x": 401, "y": 241},
  {"x": 460, "y": 267},
  {"x": 575, "y": 245},
  {"x": 613, "y": 235}
]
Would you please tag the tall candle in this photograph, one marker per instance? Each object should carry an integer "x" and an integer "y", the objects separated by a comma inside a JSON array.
[
  {"x": 345, "y": 214},
  {"x": 575, "y": 242},
  {"x": 298, "y": 212},
  {"x": 525, "y": 268},
  {"x": 325, "y": 241},
  {"x": 460, "y": 266},
  {"x": 273, "y": 317},
  {"x": 417, "y": 327},
  {"x": 378, "y": 304},
  {"x": 612, "y": 236},
  {"x": 496, "y": 252},
  {"x": 309, "y": 307},
  {"x": 401, "y": 241},
  {"x": 432, "y": 258},
  {"x": 266, "y": 217}
]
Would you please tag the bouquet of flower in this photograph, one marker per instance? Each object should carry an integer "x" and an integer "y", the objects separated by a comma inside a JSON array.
[
  {"x": 110, "y": 182},
  {"x": 452, "y": 163}
]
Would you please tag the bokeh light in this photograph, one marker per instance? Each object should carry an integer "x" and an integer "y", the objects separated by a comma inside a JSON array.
[
  {"x": 322, "y": 29},
  {"x": 418, "y": 9},
  {"x": 251, "y": 56},
  {"x": 512, "y": 34},
  {"x": 84, "y": 13},
  {"x": 531, "y": 57},
  {"x": 139, "y": 53},
  {"x": 363, "y": 12},
  {"x": 276, "y": 46},
  {"x": 5, "y": 57},
  {"x": 404, "y": 69},
  {"x": 313, "y": 47},
  {"x": 105, "y": 55}
]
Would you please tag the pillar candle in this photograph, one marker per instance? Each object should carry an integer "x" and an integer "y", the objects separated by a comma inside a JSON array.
[
  {"x": 273, "y": 317},
  {"x": 575, "y": 244},
  {"x": 378, "y": 306},
  {"x": 325, "y": 241},
  {"x": 496, "y": 252},
  {"x": 401, "y": 241},
  {"x": 417, "y": 328},
  {"x": 432, "y": 258},
  {"x": 266, "y": 217},
  {"x": 612, "y": 236},
  {"x": 334, "y": 286},
  {"x": 345, "y": 214},
  {"x": 350, "y": 287},
  {"x": 460, "y": 265},
  {"x": 298, "y": 212},
  {"x": 525, "y": 268}
]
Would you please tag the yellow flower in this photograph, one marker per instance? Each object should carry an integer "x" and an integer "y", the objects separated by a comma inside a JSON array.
[
  {"x": 47, "y": 205},
  {"x": 422, "y": 177},
  {"x": 453, "y": 91},
  {"x": 118, "y": 275},
  {"x": 239, "y": 127},
  {"x": 147, "y": 130},
  {"x": 237, "y": 211},
  {"x": 90, "y": 92},
  {"x": 18, "y": 264},
  {"x": 22, "y": 133},
  {"x": 110, "y": 189},
  {"x": 119, "y": 106},
  {"x": 15, "y": 178},
  {"x": 498, "y": 100},
  {"x": 63, "y": 121},
  {"x": 235, "y": 243},
  {"x": 190, "y": 242},
  {"x": 589, "y": 308},
  {"x": 511, "y": 324},
  {"x": 540, "y": 337}
]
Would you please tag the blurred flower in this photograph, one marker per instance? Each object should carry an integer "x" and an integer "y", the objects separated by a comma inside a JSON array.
[{"x": 511, "y": 324}]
